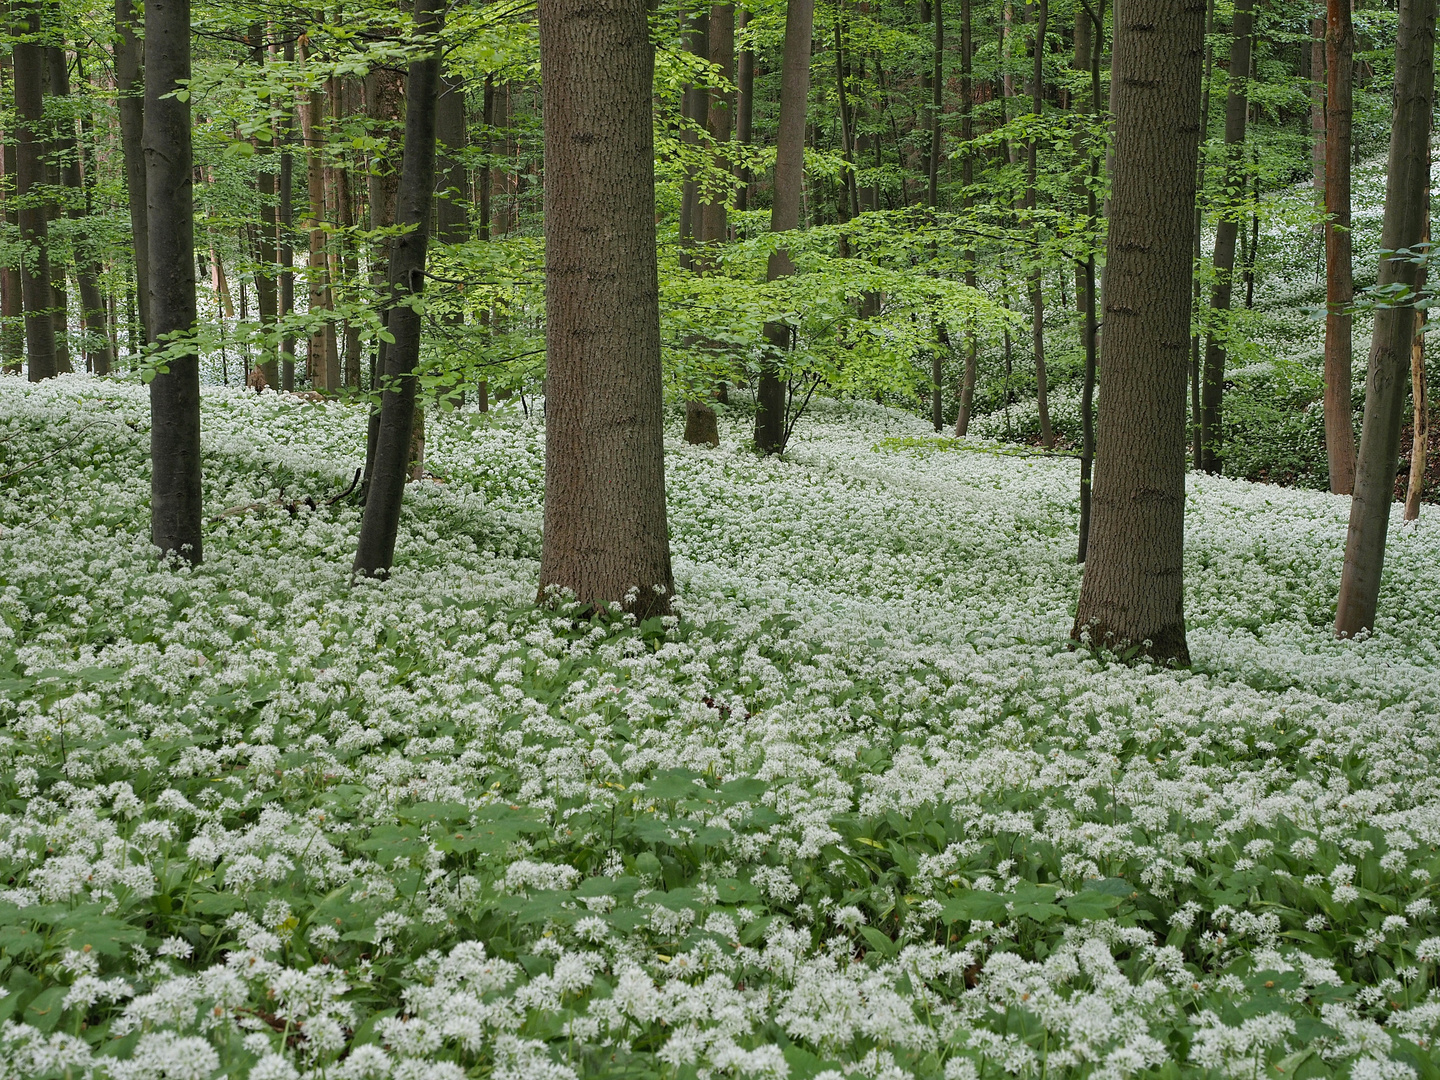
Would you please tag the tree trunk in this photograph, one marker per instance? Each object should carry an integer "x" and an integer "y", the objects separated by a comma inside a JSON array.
[
  {"x": 285, "y": 214},
  {"x": 714, "y": 226},
  {"x": 785, "y": 211},
  {"x": 452, "y": 216},
  {"x": 694, "y": 109},
  {"x": 1086, "y": 286},
  {"x": 312, "y": 112},
  {"x": 174, "y": 393},
  {"x": 1317, "y": 106},
  {"x": 1339, "y": 269},
  {"x": 606, "y": 539},
  {"x": 1032, "y": 201},
  {"x": 1132, "y": 594},
  {"x": 87, "y": 264},
  {"x": 265, "y": 236},
  {"x": 1195, "y": 367},
  {"x": 1420, "y": 409},
  {"x": 381, "y": 520},
  {"x": 1212, "y": 388},
  {"x": 12, "y": 309},
  {"x": 130, "y": 99},
  {"x": 384, "y": 94},
  {"x": 967, "y": 178},
  {"x": 1407, "y": 210},
  {"x": 744, "y": 109},
  {"x": 29, "y": 180},
  {"x": 937, "y": 99}
]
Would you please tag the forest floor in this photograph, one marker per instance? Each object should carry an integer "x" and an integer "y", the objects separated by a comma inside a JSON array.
[{"x": 858, "y": 810}]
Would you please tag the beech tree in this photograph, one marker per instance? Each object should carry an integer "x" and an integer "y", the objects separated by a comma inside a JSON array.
[
  {"x": 29, "y": 178},
  {"x": 175, "y": 390},
  {"x": 770, "y": 395},
  {"x": 1339, "y": 271},
  {"x": 1407, "y": 213},
  {"x": 1132, "y": 595},
  {"x": 606, "y": 539},
  {"x": 381, "y": 521}
]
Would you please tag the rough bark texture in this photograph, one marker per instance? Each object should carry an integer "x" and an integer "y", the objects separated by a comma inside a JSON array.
[
  {"x": 1086, "y": 283},
  {"x": 29, "y": 177},
  {"x": 1407, "y": 212},
  {"x": 1339, "y": 269},
  {"x": 606, "y": 538},
  {"x": 1132, "y": 594},
  {"x": 1212, "y": 388},
  {"x": 381, "y": 520},
  {"x": 174, "y": 393},
  {"x": 130, "y": 94},
  {"x": 785, "y": 210}
]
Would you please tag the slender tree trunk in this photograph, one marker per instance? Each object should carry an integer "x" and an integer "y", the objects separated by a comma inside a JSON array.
[
  {"x": 312, "y": 112},
  {"x": 1212, "y": 387},
  {"x": 174, "y": 393},
  {"x": 967, "y": 178},
  {"x": 87, "y": 266},
  {"x": 130, "y": 98},
  {"x": 1407, "y": 211},
  {"x": 381, "y": 520},
  {"x": 1195, "y": 368},
  {"x": 12, "y": 309},
  {"x": 1317, "y": 106},
  {"x": 606, "y": 539},
  {"x": 1132, "y": 595},
  {"x": 1420, "y": 406},
  {"x": 1032, "y": 201},
  {"x": 1095, "y": 46},
  {"x": 744, "y": 109},
  {"x": 265, "y": 246},
  {"x": 1339, "y": 270},
  {"x": 452, "y": 215},
  {"x": 785, "y": 212},
  {"x": 714, "y": 225},
  {"x": 29, "y": 61},
  {"x": 285, "y": 215},
  {"x": 694, "y": 109},
  {"x": 937, "y": 100}
]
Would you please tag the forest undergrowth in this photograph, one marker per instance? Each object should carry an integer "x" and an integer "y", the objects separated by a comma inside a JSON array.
[{"x": 856, "y": 810}]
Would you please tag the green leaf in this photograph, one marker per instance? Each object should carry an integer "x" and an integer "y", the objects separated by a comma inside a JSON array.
[
  {"x": 975, "y": 905},
  {"x": 880, "y": 942}
]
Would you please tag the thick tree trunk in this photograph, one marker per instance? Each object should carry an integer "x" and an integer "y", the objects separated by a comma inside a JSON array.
[
  {"x": 174, "y": 393},
  {"x": 130, "y": 99},
  {"x": 606, "y": 539},
  {"x": 29, "y": 180},
  {"x": 1339, "y": 269},
  {"x": 1212, "y": 388},
  {"x": 770, "y": 408},
  {"x": 381, "y": 520},
  {"x": 384, "y": 94},
  {"x": 1132, "y": 595},
  {"x": 1407, "y": 211}
]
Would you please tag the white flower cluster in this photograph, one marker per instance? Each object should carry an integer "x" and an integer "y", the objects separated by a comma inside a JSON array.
[{"x": 856, "y": 810}]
